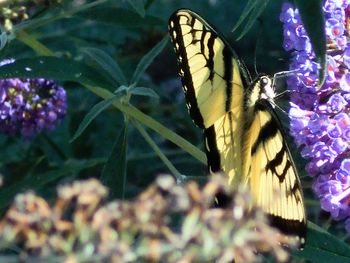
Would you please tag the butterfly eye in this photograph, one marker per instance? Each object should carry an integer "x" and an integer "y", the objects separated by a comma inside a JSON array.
[{"x": 264, "y": 81}]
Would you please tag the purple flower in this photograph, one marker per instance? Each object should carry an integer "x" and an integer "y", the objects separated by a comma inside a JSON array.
[
  {"x": 320, "y": 121},
  {"x": 344, "y": 82},
  {"x": 29, "y": 106},
  {"x": 336, "y": 103}
]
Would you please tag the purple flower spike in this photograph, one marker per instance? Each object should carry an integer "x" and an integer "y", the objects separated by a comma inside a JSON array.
[
  {"x": 320, "y": 121},
  {"x": 29, "y": 106}
]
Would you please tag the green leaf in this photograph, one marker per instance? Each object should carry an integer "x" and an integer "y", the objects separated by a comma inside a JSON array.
[
  {"x": 138, "y": 6},
  {"x": 58, "y": 12},
  {"x": 252, "y": 13},
  {"x": 121, "y": 17},
  {"x": 321, "y": 247},
  {"x": 311, "y": 14},
  {"x": 114, "y": 171},
  {"x": 37, "y": 181},
  {"x": 53, "y": 68},
  {"x": 92, "y": 114},
  {"x": 147, "y": 59},
  {"x": 247, "y": 9},
  {"x": 122, "y": 89},
  {"x": 148, "y": 3},
  {"x": 54, "y": 152},
  {"x": 141, "y": 91},
  {"x": 3, "y": 40},
  {"x": 106, "y": 63}
]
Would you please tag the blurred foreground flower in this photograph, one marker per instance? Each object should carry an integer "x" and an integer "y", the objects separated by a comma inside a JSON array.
[
  {"x": 166, "y": 223},
  {"x": 29, "y": 106},
  {"x": 15, "y": 11},
  {"x": 320, "y": 116}
]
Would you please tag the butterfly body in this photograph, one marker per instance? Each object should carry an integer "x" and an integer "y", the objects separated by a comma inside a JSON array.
[{"x": 243, "y": 135}]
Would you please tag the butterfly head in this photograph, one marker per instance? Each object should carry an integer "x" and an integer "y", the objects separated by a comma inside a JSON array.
[
  {"x": 267, "y": 90},
  {"x": 261, "y": 89}
]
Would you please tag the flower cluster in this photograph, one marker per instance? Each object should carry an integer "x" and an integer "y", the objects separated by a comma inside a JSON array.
[
  {"x": 29, "y": 106},
  {"x": 165, "y": 223},
  {"x": 320, "y": 121}
]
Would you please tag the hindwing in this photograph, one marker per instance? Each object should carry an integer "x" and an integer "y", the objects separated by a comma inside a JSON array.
[{"x": 269, "y": 168}]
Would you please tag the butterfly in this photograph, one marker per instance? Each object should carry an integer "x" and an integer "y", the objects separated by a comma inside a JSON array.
[{"x": 243, "y": 135}]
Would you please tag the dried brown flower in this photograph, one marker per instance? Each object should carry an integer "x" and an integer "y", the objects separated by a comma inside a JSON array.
[
  {"x": 167, "y": 222},
  {"x": 15, "y": 11}
]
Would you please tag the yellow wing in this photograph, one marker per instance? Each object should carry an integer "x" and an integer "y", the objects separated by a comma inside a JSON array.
[
  {"x": 242, "y": 134},
  {"x": 271, "y": 173},
  {"x": 212, "y": 83},
  {"x": 223, "y": 144}
]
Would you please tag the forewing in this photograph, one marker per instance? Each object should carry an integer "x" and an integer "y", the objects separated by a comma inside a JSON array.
[
  {"x": 211, "y": 79},
  {"x": 208, "y": 68},
  {"x": 272, "y": 175}
]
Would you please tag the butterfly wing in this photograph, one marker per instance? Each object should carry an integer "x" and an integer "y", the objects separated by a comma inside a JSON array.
[
  {"x": 223, "y": 144},
  {"x": 211, "y": 78},
  {"x": 271, "y": 173},
  {"x": 256, "y": 154}
]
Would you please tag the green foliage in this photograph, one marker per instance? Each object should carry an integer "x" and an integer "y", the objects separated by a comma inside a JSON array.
[
  {"x": 91, "y": 115},
  {"x": 251, "y": 12},
  {"x": 127, "y": 119},
  {"x": 324, "y": 247},
  {"x": 114, "y": 170},
  {"x": 106, "y": 63}
]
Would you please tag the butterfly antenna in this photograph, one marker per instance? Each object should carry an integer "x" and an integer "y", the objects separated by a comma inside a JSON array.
[
  {"x": 277, "y": 97},
  {"x": 278, "y": 107},
  {"x": 280, "y": 95},
  {"x": 256, "y": 46},
  {"x": 282, "y": 74}
]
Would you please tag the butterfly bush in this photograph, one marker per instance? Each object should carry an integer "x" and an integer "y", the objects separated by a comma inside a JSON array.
[
  {"x": 165, "y": 223},
  {"x": 29, "y": 106},
  {"x": 320, "y": 121}
]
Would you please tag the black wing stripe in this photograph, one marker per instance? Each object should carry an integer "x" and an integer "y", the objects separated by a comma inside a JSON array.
[
  {"x": 228, "y": 76},
  {"x": 212, "y": 151},
  {"x": 210, "y": 60},
  {"x": 202, "y": 42},
  {"x": 289, "y": 226},
  {"x": 277, "y": 161},
  {"x": 295, "y": 189},
  {"x": 268, "y": 131},
  {"x": 192, "y": 22}
]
